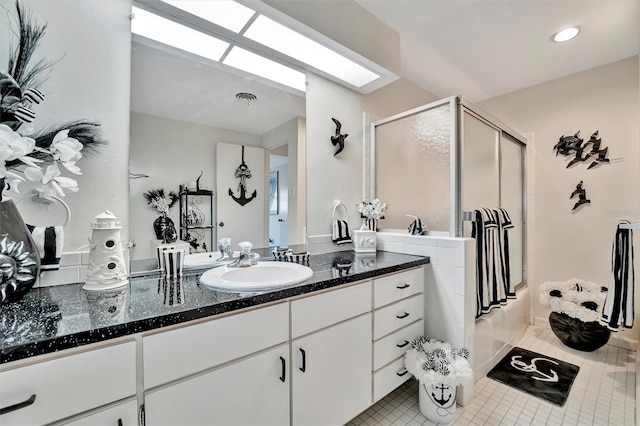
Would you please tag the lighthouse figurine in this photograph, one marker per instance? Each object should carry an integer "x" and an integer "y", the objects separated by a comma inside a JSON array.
[{"x": 106, "y": 269}]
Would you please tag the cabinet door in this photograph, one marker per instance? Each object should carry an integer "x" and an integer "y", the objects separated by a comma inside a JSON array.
[
  {"x": 125, "y": 414},
  {"x": 332, "y": 373},
  {"x": 254, "y": 391}
]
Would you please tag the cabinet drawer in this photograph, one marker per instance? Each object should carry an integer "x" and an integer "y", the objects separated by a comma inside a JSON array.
[
  {"x": 184, "y": 351},
  {"x": 69, "y": 385},
  {"x": 390, "y": 318},
  {"x": 394, "y": 345},
  {"x": 316, "y": 312},
  {"x": 125, "y": 414},
  {"x": 398, "y": 286},
  {"x": 389, "y": 378}
]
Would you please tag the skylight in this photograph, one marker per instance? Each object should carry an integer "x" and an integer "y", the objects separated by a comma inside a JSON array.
[
  {"x": 176, "y": 35},
  {"x": 285, "y": 40},
  {"x": 263, "y": 67},
  {"x": 225, "y": 13}
]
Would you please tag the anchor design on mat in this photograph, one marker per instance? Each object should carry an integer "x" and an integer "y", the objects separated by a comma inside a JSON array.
[
  {"x": 243, "y": 173},
  {"x": 529, "y": 368}
]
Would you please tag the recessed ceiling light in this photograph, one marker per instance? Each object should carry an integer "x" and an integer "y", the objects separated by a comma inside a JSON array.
[
  {"x": 176, "y": 35},
  {"x": 226, "y": 13},
  {"x": 566, "y": 34},
  {"x": 263, "y": 67},
  {"x": 278, "y": 37}
]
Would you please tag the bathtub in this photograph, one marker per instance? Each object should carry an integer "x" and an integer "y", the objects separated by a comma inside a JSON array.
[{"x": 498, "y": 331}]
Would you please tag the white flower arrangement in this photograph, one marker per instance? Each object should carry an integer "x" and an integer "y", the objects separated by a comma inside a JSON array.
[
  {"x": 36, "y": 156},
  {"x": 434, "y": 361},
  {"x": 576, "y": 298},
  {"x": 372, "y": 209}
]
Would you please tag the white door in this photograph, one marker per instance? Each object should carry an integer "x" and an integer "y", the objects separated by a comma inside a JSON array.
[
  {"x": 254, "y": 391},
  {"x": 237, "y": 221},
  {"x": 335, "y": 385}
]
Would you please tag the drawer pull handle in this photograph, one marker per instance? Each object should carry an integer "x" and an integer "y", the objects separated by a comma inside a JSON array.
[
  {"x": 402, "y": 287},
  {"x": 283, "y": 375},
  {"x": 406, "y": 314},
  {"x": 402, "y": 345},
  {"x": 402, "y": 372},
  {"x": 18, "y": 406},
  {"x": 304, "y": 360}
]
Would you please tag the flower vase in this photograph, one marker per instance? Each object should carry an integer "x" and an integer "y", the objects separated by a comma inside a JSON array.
[
  {"x": 165, "y": 229},
  {"x": 369, "y": 224},
  {"x": 437, "y": 402},
  {"x": 19, "y": 257}
]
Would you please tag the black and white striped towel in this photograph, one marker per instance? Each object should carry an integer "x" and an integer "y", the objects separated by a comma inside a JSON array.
[
  {"x": 493, "y": 274},
  {"x": 340, "y": 233},
  {"x": 618, "y": 309},
  {"x": 49, "y": 240}
]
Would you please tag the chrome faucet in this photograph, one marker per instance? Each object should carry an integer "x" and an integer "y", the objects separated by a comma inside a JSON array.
[
  {"x": 246, "y": 258},
  {"x": 226, "y": 252}
]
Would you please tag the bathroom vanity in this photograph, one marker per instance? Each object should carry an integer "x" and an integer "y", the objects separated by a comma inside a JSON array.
[{"x": 319, "y": 352}]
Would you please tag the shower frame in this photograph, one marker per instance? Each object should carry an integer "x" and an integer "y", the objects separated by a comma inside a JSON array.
[{"x": 459, "y": 105}]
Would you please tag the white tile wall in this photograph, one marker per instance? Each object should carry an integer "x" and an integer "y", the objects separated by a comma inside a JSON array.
[
  {"x": 449, "y": 287},
  {"x": 73, "y": 269}
]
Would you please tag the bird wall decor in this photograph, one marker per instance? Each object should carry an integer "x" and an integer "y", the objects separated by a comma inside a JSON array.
[
  {"x": 338, "y": 139},
  {"x": 582, "y": 196},
  {"x": 573, "y": 145}
]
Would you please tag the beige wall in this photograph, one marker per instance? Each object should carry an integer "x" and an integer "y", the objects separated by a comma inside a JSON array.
[{"x": 566, "y": 244}]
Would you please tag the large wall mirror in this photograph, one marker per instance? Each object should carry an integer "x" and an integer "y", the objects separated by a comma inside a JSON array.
[{"x": 188, "y": 121}]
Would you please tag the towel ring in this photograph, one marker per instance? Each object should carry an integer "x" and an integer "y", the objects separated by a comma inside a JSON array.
[
  {"x": 39, "y": 196},
  {"x": 335, "y": 208}
]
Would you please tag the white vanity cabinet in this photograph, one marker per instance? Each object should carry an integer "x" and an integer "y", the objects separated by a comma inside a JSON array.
[
  {"x": 226, "y": 371},
  {"x": 398, "y": 318},
  {"x": 253, "y": 391},
  {"x": 123, "y": 414},
  {"x": 331, "y": 366},
  {"x": 62, "y": 387}
]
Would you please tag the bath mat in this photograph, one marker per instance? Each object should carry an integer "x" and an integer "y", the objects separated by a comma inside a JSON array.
[{"x": 540, "y": 375}]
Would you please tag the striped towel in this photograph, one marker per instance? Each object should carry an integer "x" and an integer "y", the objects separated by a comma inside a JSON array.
[
  {"x": 49, "y": 240},
  {"x": 618, "y": 309},
  {"x": 492, "y": 272},
  {"x": 341, "y": 232}
]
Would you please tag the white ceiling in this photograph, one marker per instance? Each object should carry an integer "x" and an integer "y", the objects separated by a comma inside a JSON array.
[
  {"x": 486, "y": 48},
  {"x": 477, "y": 48},
  {"x": 167, "y": 84}
]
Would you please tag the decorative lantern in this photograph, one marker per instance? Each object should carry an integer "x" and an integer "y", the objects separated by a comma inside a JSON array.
[{"x": 106, "y": 267}]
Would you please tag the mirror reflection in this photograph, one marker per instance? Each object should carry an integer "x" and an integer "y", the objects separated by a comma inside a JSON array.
[{"x": 200, "y": 126}]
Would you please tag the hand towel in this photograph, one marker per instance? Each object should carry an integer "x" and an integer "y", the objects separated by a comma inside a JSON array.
[
  {"x": 49, "y": 240},
  {"x": 618, "y": 309},
  {"x": 341, "y": 232}
]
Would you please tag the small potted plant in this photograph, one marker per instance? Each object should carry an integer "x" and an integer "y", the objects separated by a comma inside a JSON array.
[
  {"x": 440, "y": 368},
  {"x": 163, "y": 226}
]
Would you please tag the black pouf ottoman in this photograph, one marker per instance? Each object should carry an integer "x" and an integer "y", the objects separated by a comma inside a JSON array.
[{"x": 580, "y": 335}]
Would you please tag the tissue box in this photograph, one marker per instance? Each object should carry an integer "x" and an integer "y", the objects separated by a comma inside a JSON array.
[{"x": 364, "y": 241}]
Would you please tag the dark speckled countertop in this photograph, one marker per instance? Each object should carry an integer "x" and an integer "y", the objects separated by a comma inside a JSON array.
[{"x": 51, "y": 319}]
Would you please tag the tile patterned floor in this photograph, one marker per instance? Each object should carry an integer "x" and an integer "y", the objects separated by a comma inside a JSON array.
[{"x": 602, "y": 394}]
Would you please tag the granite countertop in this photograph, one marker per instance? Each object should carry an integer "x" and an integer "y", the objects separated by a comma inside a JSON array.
[{"x": 51, "y": 319}]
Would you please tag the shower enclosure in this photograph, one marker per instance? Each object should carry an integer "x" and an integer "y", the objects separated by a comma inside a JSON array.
[{"x": 443, "y": 160}]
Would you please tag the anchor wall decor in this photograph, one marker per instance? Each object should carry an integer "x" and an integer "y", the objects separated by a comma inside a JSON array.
[{"x": 243, "y": 173}]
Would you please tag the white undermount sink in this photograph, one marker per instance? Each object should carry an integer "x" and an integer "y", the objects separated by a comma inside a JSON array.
[
  {"x": 260, "y": 276},
  {"x": 209, "y": 260}
]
